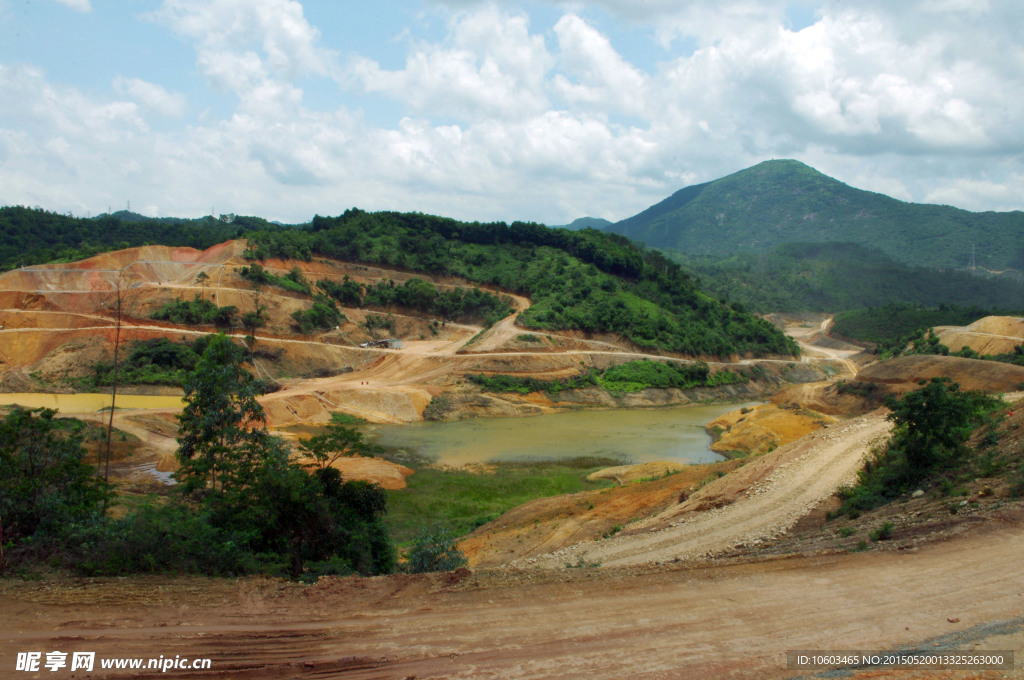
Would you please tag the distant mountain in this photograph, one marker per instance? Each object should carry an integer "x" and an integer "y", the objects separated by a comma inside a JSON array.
[
  {"x": 784, "y": 201},
  {"x": 584, "y": 223},
  {"x": 128, "y": 216},
  {"x": 820, "y": 277}
]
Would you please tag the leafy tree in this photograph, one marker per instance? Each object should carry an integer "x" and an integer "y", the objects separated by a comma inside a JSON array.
[
  {"x": 222, "y": 427},
  {"x": 323, "y": 315},
  {"x": 336, "y": 442},
  {"x": 932, "y": 423},
  {"x": 247, "y": 482},
  {"x": 43, "y": 481},
  {"x": 931, "y": 426},
  {"x": 201, "y": 279},
  {"x": 348, "y": 292}
]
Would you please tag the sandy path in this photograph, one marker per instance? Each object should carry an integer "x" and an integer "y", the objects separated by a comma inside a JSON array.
[
  {"x": 727, "y": 622},
  {"x": 786, "y": 484}
]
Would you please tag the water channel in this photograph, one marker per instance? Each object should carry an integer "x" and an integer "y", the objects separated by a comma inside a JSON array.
[
  {"x": 85, "y": 402},
  {"x": 632, "y": 435}
]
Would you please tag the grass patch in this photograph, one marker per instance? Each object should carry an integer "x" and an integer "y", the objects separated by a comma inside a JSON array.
[
  {"x": 339, "y": 418},
  {"x": 460, "y": 499}
]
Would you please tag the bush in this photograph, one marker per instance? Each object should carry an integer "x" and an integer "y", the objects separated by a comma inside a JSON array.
[
  {"x": 932, "y": 424},
  {"x": 322, "y": 316},
  {"x": 435, "y": 550},
  {"x": 197, "y": 312},
  {"x": 882, "y": 533},
  {"x": 162, "y": 539}
]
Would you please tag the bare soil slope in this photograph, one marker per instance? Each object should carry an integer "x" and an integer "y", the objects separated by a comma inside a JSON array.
[
  {"x": 755, "y": 504},
  {"x": 726, "y": 621},
  {"x": 903, "y": 374},
  {"x": 990, "y": 335}
]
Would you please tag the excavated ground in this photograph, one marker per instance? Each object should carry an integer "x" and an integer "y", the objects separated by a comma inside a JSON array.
[{"x": 701, "y": 575}]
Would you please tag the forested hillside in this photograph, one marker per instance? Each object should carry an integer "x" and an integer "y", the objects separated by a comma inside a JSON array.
[
  {"x": 786, "y": 201},
  {"x": 32, "y": 236},
  {"x": 578, "y": 280},
  {"x": 828, "y": 277}
]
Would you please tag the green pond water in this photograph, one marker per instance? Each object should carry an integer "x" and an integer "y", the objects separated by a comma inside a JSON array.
[{"x": 633, "y": 435}]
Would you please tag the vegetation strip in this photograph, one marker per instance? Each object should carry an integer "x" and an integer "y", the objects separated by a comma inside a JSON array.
[{"x": 632, "y": 376}]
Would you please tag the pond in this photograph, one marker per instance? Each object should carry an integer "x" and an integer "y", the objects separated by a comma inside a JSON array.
[
  {"x": 87, "y": 402},
  {"x": 632, "y": 435}
]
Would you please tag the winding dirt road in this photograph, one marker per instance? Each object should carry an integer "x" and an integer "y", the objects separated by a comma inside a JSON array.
[{"x": 781, "y": 487}]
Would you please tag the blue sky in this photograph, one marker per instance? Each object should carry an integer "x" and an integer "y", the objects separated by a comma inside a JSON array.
[{"x": 546, "y": 110}]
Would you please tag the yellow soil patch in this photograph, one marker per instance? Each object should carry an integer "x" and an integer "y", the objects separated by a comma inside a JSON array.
[
  {"x": 389, "y": 475},
  {"x": 547, "y": 524},
  {"x": 990, "y": 335},
  {"x": 902, "y": 374},
  {"x": 999, "y": 325},
  {"x": 763, "y": 428},
  {"x": 958, "y": 338},
  {"x": 624, "y": 474}
]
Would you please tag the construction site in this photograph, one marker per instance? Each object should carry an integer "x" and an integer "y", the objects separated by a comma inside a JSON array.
[{"x": 715, "y": 570}]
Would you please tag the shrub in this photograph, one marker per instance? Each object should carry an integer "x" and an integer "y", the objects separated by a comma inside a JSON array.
[
  {"x": 932, "y": 424},
  {"x": 435, "y": 550},
  {"x": 882, "y": 533},
  {"x": 323, "y": 315}
]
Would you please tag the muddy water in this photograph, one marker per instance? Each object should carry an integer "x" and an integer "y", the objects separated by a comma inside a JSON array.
[
  {"x": 634, "y": 435},
  {"x": 88, "y": 402}
]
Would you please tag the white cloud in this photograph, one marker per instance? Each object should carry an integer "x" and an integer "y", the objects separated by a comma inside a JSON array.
[
  {"x": 77, "y": 5},
  {"x": 504, "y": 118},
  {"x": 490, "y": 66},
  {"x": 605, "y": 79},
  {"x": 151, "y": 96},
  {"x": 256, "y": 49}
]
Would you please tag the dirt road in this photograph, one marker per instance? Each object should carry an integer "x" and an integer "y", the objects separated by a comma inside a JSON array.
[
  {"x": 783, "y": 486},
  {"x": 732, "y": 621}
]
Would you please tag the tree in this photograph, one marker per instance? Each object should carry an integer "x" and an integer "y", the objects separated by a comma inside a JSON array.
[
  {"x": 336, "y": 442},
  {"x": 222, "y": 427},
  {"x": 933, "y": 423},
  {"x": 44, "y": 482},
  {"x": 201, "y": 279},
  {"x": 246, "y": 480},
  {"x": 122, "y": 304},
  {"x": 254, "y": 319}
]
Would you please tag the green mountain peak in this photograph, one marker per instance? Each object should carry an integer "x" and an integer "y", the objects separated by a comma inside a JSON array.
[{"x": 781, "y": 201}]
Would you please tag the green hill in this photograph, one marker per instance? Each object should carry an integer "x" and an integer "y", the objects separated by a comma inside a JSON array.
[
  {"x": 578, "y": 280},
  {"x": 33, "y": 236},
  {"x": 585, "y": 223},
  {"x": 786, "y": 201},
  {"x": 818, "y": 277}
]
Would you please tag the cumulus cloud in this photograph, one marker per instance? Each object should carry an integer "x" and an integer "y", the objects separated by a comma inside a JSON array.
[
  {"x": 151, "y": 96},
  {"x": 605, "y": 80},
  {"x": 502, "y": 117},
  {"x": 255, "y": 49},
  {"x": 489, "y": 66}
]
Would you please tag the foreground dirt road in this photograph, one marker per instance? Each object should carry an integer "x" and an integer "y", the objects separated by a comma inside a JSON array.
[{"x": 726, "y": 621}]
